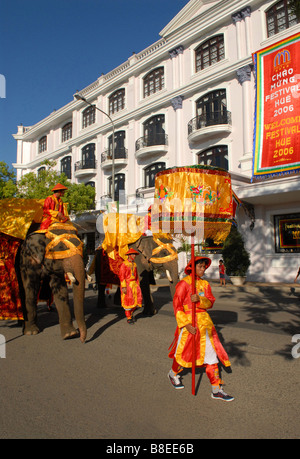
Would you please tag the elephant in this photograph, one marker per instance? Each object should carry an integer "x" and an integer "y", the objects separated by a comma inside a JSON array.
[
  {"x": 52, "y": 255},
  {"x": 154, "y": 253}
]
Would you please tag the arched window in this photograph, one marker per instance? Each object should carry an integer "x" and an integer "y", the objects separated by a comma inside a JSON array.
[
  {"x": 212, "y": 109},
  {"x": 88, "y": 116},
  {"x": 88, "y": 156},
  {"x": 210, "y": 52},
  {"x": 117, "y": 101},
  {"x": 119, "y": 185},
  {"x": 151, "y": 171},
  {"x": 66, "y": 166},
  {"x": 154, "y": 81},
  {"x": 154, "y": 131},
  {"x": 214, "y": 156},
  {"x": 280, "y": 17},
  {"x": 66, "y": 132},
  {"x": 43, "y": 144},
  {"x": 119, "y": 145},
  {"x": 39, "y": 171}
]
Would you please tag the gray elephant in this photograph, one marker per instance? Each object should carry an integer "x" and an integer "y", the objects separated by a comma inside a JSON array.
[
  {"x": 54, "y": 255},
  {"x": 154, "y": 253}
]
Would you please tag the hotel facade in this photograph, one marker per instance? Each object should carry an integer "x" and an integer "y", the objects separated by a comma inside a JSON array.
[{"x": 187, "y": 99}]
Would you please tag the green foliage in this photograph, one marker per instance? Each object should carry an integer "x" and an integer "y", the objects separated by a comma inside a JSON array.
[
  {"x": 79, "y": 197},
  {"x": 235, "y": 256},
  {"x": 7, "y": 181}
]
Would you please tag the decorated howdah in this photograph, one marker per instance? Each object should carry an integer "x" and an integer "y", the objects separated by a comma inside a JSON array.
[{"x": 193, "y": 199}]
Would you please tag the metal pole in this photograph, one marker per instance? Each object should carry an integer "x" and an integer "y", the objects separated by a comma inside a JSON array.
[{"x": 79, "y": 97}]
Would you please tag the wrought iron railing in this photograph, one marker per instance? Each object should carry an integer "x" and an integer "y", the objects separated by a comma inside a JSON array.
[
  {"x": 88, "y": 164},
  {"x": 151, "y": 140},
  {"x": 119, "y": 153},
  {"x": 212, "y": 119}
]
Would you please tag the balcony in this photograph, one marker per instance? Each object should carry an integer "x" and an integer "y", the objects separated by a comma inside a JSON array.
[
  {"x": 149, "y": 145},
  {"x": 203, "y": 127},
  {"x": 85, "y": 168},
  {"x": 121, "y": 157}
]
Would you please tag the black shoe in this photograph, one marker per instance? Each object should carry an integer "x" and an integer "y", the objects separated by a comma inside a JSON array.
[
  {"x": 221, "y": 395},
  {"x": 130, "y": 321}
]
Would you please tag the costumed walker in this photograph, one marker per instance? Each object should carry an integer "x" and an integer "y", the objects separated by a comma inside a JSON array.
[{"x": 131, "y": 295}]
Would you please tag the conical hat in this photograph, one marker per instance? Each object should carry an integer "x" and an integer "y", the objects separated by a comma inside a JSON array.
[
  {"x": 59, "y": 187},
  {"x": 188, "y": 268}
]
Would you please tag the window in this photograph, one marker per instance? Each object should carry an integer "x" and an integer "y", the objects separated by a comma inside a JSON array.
[
  {"x": 119, "y": 185},
  {"x": 215, "y": 156},
  {"x": 65, "y": 166},
  {"x": 211, "y": 108},
  {"x": 150, "y": 173},
  {"x": 88, "y": 156},
  {"x": 43, "y": 144},
  {"x": 154, "y": 131},
  {"x": 39, "y": 172},
  {"x": 280, "y": 17},
  {"x": 66, "y": 132},
  {"x": 287, "y": 233},
  {"x": 154, "y": 81},
  {"x": 117, "y": 101},
  {"x": 210, "y": 52},
  {"x": 88, "y": 116},
  {"x": 119, "y": 149}
]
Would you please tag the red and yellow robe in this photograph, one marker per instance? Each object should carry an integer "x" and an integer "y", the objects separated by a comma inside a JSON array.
[
  {"x": 181, "y": 348},
  {"x": 52, "y": 206},
  {"x": 129, "y": 278}
]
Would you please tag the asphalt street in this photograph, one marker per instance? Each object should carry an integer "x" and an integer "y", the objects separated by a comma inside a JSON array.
[{"x": 115, "y": 386}]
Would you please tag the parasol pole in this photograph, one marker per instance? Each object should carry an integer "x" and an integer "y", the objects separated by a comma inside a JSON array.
[{"x": 193, "y": 315}]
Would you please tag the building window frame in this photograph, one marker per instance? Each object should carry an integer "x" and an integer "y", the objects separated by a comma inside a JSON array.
[
  {"x": 116, "y": 101},
  {"x": 119, "y": 185},
  {"x": 88, "y": 116},
  {"x": 43, "y": 144},
  {"x": 154, "y": 81},
  {"x": 66, "y": 132},
  {"x": 214, "y": 156},
  {"x": 66, "y": 167},
  {"x": 150, "y": 172},
  {"x": 279, "y": 17},
  {"x": 210, "y": 52}
]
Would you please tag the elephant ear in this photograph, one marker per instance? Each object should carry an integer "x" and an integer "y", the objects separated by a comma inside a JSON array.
[{"x": 145, "y": 245}]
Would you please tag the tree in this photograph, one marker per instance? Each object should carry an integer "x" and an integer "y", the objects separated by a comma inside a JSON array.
[
  {"x": 236, "y": 258},
  {"x": 7, "y": 181}
]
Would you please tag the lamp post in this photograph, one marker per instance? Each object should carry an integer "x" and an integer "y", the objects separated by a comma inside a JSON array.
[{"x": 79, "y": 97}]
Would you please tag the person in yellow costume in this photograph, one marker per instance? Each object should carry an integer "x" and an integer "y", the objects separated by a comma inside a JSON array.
[
  {"x": 131, "y": 295},
  {"x": 209, "y": 349},
  {"x": 54, "y": 209}
]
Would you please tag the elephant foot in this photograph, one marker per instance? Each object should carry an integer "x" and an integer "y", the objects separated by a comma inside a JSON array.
[
  {"x": 69, "y": 332},
  {"x": 30, "y": 330}
]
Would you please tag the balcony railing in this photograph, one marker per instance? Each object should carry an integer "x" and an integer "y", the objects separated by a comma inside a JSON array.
[
  {"x": 213, "y": 119},
  {"x": 149, "y": 141},
  {"x": 120, "y": 153},
  {"x": 88, "y": 164}
]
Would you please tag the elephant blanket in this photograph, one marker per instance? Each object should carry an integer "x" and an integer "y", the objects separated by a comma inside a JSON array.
[{"x": 10, "y": 302}]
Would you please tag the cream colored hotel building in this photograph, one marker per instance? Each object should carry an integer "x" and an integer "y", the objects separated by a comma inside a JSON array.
[{"x": 189, "y": 98}]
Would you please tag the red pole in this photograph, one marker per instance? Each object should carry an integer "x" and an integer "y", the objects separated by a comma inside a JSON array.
[{"x": 193, "y": 315}]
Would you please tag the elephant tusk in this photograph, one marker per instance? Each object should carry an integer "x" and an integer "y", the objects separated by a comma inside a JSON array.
[
  {"x": 169, "y": 276},
  {"x": 71, "y": 278}
]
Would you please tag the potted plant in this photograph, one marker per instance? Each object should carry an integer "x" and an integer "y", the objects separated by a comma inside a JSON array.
[{"x": 235, "y": 256}]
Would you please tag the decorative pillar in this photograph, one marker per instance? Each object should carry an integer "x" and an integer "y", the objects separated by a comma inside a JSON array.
[
  {"x": 177, "y": 105},
  {"x": 236, "y": 19},
  {"x": 246, "y": 13},
  {"x": 244, "y": 78}
]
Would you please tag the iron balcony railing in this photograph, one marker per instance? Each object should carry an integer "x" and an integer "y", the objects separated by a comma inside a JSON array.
[
  {"x": 151, "y": 140},
  {"x": 119, "y": 153},
  {"x": 212, "y": 119},
  {"x": 87, "y": 164}
]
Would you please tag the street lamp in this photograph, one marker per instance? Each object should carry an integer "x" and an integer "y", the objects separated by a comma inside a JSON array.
[{"x": 79, "y": 97}]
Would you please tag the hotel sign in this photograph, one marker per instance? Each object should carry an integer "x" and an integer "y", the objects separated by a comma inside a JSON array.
[{"x": 276, "y": 147}]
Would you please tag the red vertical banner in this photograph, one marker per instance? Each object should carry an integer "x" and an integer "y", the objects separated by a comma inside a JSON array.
[{"x": 276, "y": 148}]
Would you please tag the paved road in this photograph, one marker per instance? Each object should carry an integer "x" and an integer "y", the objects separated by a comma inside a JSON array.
[{"x": 115, "y": 385}]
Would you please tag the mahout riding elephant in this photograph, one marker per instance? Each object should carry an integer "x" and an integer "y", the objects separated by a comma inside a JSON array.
[
  {"x": 154, "y": 253},
  {"x": 52, "y": 255}
]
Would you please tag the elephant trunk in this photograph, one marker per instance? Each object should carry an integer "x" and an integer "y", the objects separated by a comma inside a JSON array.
[{"x": 75, "y": 266}]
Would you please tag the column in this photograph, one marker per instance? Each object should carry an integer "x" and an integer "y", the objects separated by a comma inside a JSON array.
[
  {"x": 246, "y": 13},
  {"x": 244, "y": 78},
  {"x": 177, "y": 105},
  {"x": 236, "y": 19}
]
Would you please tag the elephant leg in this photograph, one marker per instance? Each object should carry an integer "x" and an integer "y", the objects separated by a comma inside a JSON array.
[
  {"x": 61, "y": 300},
  {"x": 101, "y": 303},
  {"x": 31, "y": 284}
]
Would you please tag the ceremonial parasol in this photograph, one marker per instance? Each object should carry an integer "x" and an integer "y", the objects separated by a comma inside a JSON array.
[{"x": 194, "y": 201}]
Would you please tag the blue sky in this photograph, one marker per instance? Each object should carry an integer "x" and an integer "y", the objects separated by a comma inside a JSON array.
[{"x": 49, "y": 49}]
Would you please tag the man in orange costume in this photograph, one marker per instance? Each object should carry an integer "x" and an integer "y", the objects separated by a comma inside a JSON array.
[
  {"x": 131, "y": 295},
  {"x": 54, "y": 209},
  {"x": 208, "y": 346}
]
